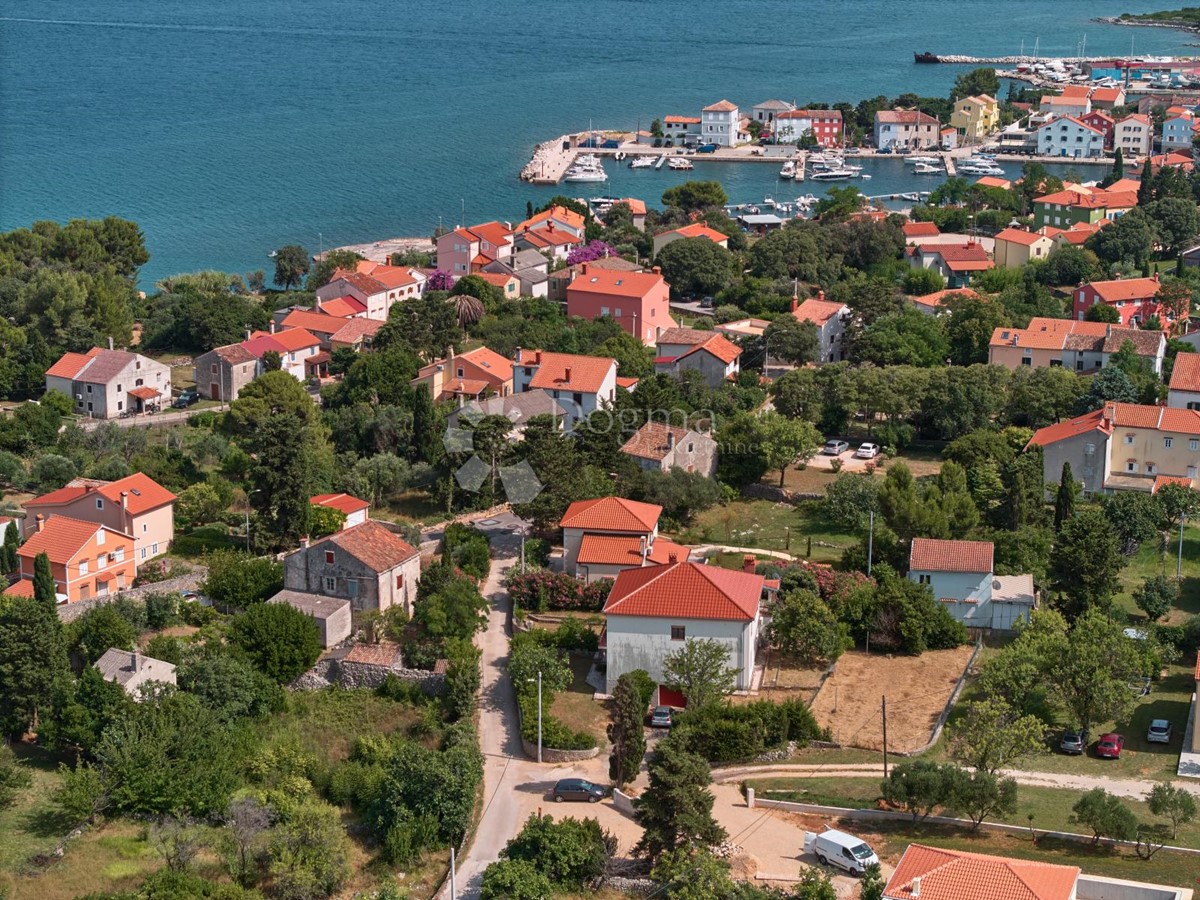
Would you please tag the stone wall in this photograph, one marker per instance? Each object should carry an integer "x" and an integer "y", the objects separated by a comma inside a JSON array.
[
  {"x": 550, "y": 755},
  {"x": 778, "y": 494},
  {"x": 68, "y": 612},
  {"x": 331, "y": 671}
]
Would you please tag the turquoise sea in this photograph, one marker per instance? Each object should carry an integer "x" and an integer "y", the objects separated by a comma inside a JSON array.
[{"x": 227, "y": 128}]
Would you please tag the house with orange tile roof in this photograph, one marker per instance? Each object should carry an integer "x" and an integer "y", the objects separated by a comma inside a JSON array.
[
  {"x": 659, "y": 447},
  {"x": 1075, "y": 236},
  {"x": 508, "y": 284},
  {"x": 560, "y": 217},
  {"x": 355, "y": 510},
  {"x": 974, "y": 118},
  {"x": 560, "y": 279},
  {"x": 1070, "y": 137},
  {"x": 378, "y": 287},
  {"x": 694, "y": 230},
  {"x": 1063, "y": 105},
  {"x": 960, "y": 577},
  {"x": 957, "y": 263},
  {"x": 934, "y": 873},
  {"x": 1015, "y": 248},
  {"x": 1134, "y": 136},
  {"x": 607, "y": 517},
  {"x": 680, "y": 130},
  {"x": 466, "y": 250},
  {"x": 721, "y": 124},
  {"x": 1123, "y": 446},
  {"x": 343, "y": 307},
  {"x": 919, "y": 230},
  {"x": 549, "y": 239},
  {"x": 713, "y": 355},
  {"x": 991, "y": 181},
  {"x": 299, "y": 350},
  {"x": 473, "y": 375},
  {"x": 580, "y": 384},
  {"x": 87, "y": 560},
  {"x": 935, "y": 303},
  {"x": 105, "y": 383},
  {"x": 906, "y": 129},
  {"x": 653, "y": 611},
  {"x": 1107, "y": 98},
  {"x": 1080, "y": 346},
  {"x": 825, "y": 125},
  {"x": 830, "y": 319},
  {"x": 1132, "y": 298},
  {"x": 1184, "y": 389},
  {"x": 637, "y": 301},
  {"x": 1064, "y": 208},
  {"x": 367, "y": 564},
  {"x": 136, "y": 505}
]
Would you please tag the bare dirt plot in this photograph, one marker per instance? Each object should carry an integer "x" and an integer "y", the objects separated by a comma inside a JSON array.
[
  {"x": 785, "y": 679},
  {"x": 916, "y": 687}
]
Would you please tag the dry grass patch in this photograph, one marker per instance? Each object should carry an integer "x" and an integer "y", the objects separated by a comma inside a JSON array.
[{"x": 916, "y": 687}]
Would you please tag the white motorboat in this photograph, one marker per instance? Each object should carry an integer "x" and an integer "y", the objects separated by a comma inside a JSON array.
[
  {"x": 927, "y": 169},
  {"x": 925, "y": 195},
  {"x": 806, "y": 200},
  {"x": 769, "y": 202},
  {"x": 642, "y": 162},
  {"x": 586, "y": 175},
  {"x": 922, "y": 160},
  {"x": 862, "y": 176},
  {"x": 788, "y": 170},
  {"x": 910, "y": 197},
  {"x": 834, "y": 175},
  {"x": 679, "y": 162}
]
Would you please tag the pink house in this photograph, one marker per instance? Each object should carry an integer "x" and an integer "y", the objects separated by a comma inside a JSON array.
[
  {"x": 465, "y": 250},
  {"x": 638, "y": 301},
  {"x": 1134, "y": 299}
]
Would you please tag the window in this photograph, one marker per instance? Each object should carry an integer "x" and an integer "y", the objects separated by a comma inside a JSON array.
[
  {"x": 1129, "y": 439},
  {"x": 101, "y": 561},
  {"x": 578, "y": 398},
  {"x": 1027, "y": 361},
  {"x": 678, "y": 632},
  {"x": 330, "y": 584},
  {"x": 83, "y": 567},
  {"x": 1194, "y": 444},
  {"x": 400, "y": 581},
  {"x": 1191, "y": 471},
  {"x": 1130, "y": 466},
  {"x": 329, "y": 557},
  {"x": 1149, "y": 468},
  {"x": 214, "y": 368},
  {"x": 154, "y": 549},
  {"x": 145, "y": 528},
  {"x": 118, "y": 555},
  {"x": 691, "y": 447},
  {"x": 99, "y": 504},
  {"x": 100, "y": 537},
  {"x": 1167, "y": 442},
  {"x": 120, "y": 405},
  {"x": 143, "y": 553},
  {"x": 118, "y": 388},
  {"x": 924, "y": 579}
]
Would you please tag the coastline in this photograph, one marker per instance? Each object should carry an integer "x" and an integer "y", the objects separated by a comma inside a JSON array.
[{"x": 1177, "y": 24}]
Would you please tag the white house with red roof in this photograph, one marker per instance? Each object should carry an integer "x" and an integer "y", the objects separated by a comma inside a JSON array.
[
  {"x": 825, "y": 125},
  {"x": 375, "y": 286},
  {"x": 103, "y": 384},
  {"x": 652, "y": 612},
  {"x": 680, "y": 130},
  {"x": 465, "y": 250},
  {"x": 711, "y": 354},
  {"x": 637, "y": 301},
  {"x": 1134, "y": 136},
  {"x": 355, "y": 510},
  {"x": 1134, "y": 299},
  {"x": 1070, "y": 137},
  {"x": 136, "y": 505},
  {"x": 906, "y": 129},
  {"x": 720, "y": 124},
  {"x": 960, "y": 576},
  {"x": 935, "y": 304},
  {"x": 695, "y": 230},
  {"x": 609, "y": 517},
  {"x": 298, "y": 350},
  {"x": 830, "y": 319},
  {"x": 1177, "y": 132},
  {"x": 957, "y": 263},
  {"x": 580, "y": 384},
  {"x": 1184, "y": 389}
]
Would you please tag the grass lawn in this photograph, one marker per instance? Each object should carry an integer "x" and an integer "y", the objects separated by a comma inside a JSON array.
[
  {"x": 31, "y": 825},
  {"x": 1051, "y": 810},
  {"x": 416, "y": 506},
  {"x": 771, "y": 526},
  {"x": 204, "y": 539},
  {"x": 1151, "y": 559},
  {"x": 575, "y": 707}
]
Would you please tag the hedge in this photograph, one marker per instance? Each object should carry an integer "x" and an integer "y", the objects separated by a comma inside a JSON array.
[
  {"x": 724, "y": 733},
  {"x": 540, "y": 590}
]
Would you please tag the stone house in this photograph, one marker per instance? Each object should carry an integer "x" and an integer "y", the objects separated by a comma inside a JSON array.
[
  {"x": 366, "y": 564},
  {"x": 131, "y": 669},
  {"x": 660, "y": 447},
  {"x": 103, "y": 384},
  {"x": 221, "y": 374},
  {"x": 330, "y": 614}
]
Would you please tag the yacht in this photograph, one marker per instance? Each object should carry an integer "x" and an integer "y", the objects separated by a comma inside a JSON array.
[
  {"x": 834, "y": 175},
  {"x": 586, "y": 172},
  {"x": 927, "y": 169},
  {"x": 769, "y": 202},
  {"x": 806, "y": 200},
  {"x": 678, "y": 162},
  {"x": 642, "y": 162},
  {"x": 788, "y": 170},
  {"x": 919, "y": 160},
  {"x": 911, "y": 197}
]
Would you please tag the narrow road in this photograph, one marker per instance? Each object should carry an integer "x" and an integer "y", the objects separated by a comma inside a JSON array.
[{"x": 1123, "y": 787}]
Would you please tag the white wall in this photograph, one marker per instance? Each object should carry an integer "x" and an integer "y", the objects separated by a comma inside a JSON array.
[{"x": 642, "y": 642}]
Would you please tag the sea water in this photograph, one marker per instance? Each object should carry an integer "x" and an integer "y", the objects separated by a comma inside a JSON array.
[{"x": 227, "y": 128}]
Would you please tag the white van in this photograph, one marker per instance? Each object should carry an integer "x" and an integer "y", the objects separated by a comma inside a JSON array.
[{"x": 837, "y": 848}]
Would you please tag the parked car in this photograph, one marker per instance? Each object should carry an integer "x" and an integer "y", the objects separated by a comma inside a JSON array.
[
  {"x": 1073, "y": 742},
  {"x": 867, "y": 451},
  {"x": 1109, "y": 746},
  {"x": 577, "y": 789},
  {"x": 884, "y": 150},
  {"x": 1159, "y": 732},
  {"x": 660, "y": 717},
  {"x": 838, "y": 848},
  {"x": 835, "y": 448},
  {"x": 186, "y": 399}
]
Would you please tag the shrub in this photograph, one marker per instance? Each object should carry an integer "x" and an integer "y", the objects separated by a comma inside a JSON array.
[
  {"x": 162, "y": 610},
  {"x": 512, "y": 879},
  {"x": 645, "y": 685},
  {"x": 537, "y": 551},
  {"x": 281, "y": 641},
  {"x": 237, "y": 580},
  {"x": 467, "y": 547},
  {"x": 540, "y": 590},
  {"x": 726, "y": 734},
  {"x": 574, "y": 634},
  {"x": 571, "y": 853}
]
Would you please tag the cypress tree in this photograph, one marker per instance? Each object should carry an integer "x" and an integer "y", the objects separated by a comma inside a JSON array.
[
  {"x": 1118, "y": 171},
  {"x": 43, "y": 581},
  {"x": 626, "y": 734},
  {"x": 1146, "y": 188},
  {"x": 1064, "y": 500},
  {"x": 425, "y": 436},
  {"x": 11, "y": 543}
]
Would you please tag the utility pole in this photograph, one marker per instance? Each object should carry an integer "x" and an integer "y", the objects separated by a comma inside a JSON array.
[
  {"x": 1179, "y": 559},
  {"x": 453, "y": 880},
  {"x": 870, "y": 543},
  {"x": 522, "y": 554},
  {"x": 885, "y": 764},
  {"x": 539, "y": 715}
]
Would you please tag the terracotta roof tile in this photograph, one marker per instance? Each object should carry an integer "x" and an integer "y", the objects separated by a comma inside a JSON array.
[
  {"x": 682, "y": 120},
  {"x": 622, "y": 284},
  {"x": 69, "y": 365},
  {"x": 719, "y": 346},
  {"x": 817, "y": 311},
  {"x": 993, "y": 181},
  {"x": 931, "y": 555},
  {"x": 555, "y": 213},
  {"x": 720, "y": 106},
  {"x": 698, "y": 229},
  {"x": 615, "y": 550},
  {"x": 958, "y": 875},
  {"x": 1061, "y": 431},
  {"x": 1020, "y": 236},
  {"x": 385, "y": 653},
  {"x": 904, "y": 117},
  {"x": 61, "y": 538},
  {"x": 144, "y": 493},
  {"x": 105, "y": 366},
  {"x": 938, "y": 298},
  {"x": 1161, "y": 481},
  {"x": 920, "y": 229},
  {"x": 681, "y": 335},
  {"x": 342, "y": 307},
  {"x": 353, "y": 330},
  {"x": 234, "y": 354},
  {"x": 291, "y": 339},
  {"x": 371, "y": 544},
  {"x": 314, "y": 322},
  {"x": 588, "y": 373},
  {"x": 612, "y": 514},
  {"x": 343, "y": 502},
  {"x": 1186, "y": 374},
  {"x": 686, "y": 591},
  {"x": 1125, "y": 289},
  {"x": 650, "y": 441}
]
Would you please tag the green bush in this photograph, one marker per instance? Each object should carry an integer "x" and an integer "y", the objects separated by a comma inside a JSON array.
[
  {"x": 537, "y": 552},
  {"x": 512, "y": 879},
  {"x": 645, "y": 685},
  {"x": 726, "y": 734},
  {"x": 467, "y": 547},
  {"x": 574, "y": 635}
]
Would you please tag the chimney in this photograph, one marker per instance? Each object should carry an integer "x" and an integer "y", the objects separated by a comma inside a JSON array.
[
  {"x": 1155, "y": 278},
  {"x": 40, "y": 522},
  {"x": 110, "y": 343},
  {"x": 916, "y": 888},
  {"x": 247, "y": 334},
  {"x": 271, "y": 327},
  {"x": 537, "y": 357},
  {"x": 748, "y": 563},
  {"x": 125, "y": 500},
  {"x": 137, "y": 661},
  {"x": 304, "y": 542},
  {"x": 643, "y": 548},
  {"x": 583, "y": 269},
  {"x": 670, "y": 440},
  {"x": 795, "y": 304},
  {"x": 567, "y": 375},
  {"x": 820, "y": 295},
  {"x": 657, "y": 270},
  {"x": 672, "y": 558}
]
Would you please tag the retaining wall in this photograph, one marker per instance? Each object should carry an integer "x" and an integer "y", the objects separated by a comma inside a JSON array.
[
  {"x": 69, "y": 612},
  {"x": 328, "y": 672}
]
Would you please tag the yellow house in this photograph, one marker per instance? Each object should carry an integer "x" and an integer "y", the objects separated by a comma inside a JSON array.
[
  {"x": 975, "y": 117},
  {"x": 1016, "y": 248}
]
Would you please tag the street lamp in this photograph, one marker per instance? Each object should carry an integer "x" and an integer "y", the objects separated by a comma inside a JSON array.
[
  {"x": 539, "y": 684},
  {"x": 248, "y": 496}
]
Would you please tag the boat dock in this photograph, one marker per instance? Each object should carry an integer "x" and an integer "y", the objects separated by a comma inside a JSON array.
[
  {"x": 661, "y": 159},
  {"x": 948, "y": 160},
  {"x": 550, "y": 161}
]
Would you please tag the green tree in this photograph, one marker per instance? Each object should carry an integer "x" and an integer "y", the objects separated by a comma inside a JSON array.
[
  {"x": 1091, "y": 679},
  {"x": 98, "y": 630},
  {"x": 457, "y": 610},
  {"x": 324, "y": 520},
  {"x": 676, "y": 808},
  {"x": 1102, "y": 312},
  {"x": 330, "y": 262},
  {"x": 83, "y": 710},
  {"x": 918, "y": 786},
  {"x": 1064, "y": 498},
  {"x": 625, "y": 733},
  {"x": 51, "y": 471},
  {"x": 982, "y": 794},
  {"x": 1176, "y": 222},
  {"x": 1085, "y": 564},
  {"x": 991, "y": 735},
  {"x": 969, "y": 324},
  {"x": 13, "y": 777},
  {"x": 231, "y": 687},
  {"x": 309, "y": 852},
  {"x": 872, "y": 883},
  {"x": 695, "y": 195},
  {"x": 200, "y": 504},
  {"x": 281, "y": 641},
  {"x": 514, "y": 879},
  {"x": 463, "y": 677},
  {"x": 804, "y": 627},
  {"x": 45, "y": 591},
  {"x": 11, "y": 544},
  {"x": 982, "y": 80},
  {"x": 695, "y": 266},
  {"x": 570, "y": 852},
  {"x": 237, "y": 580},
  {"x": 1172, "y": 802},
  {"x": 291, "y": 265},
  {"x": 691, "y": 873},
  {"x": 700, "y": 670},
  {"x": 906, "y": 338},
  {"x": 1156, "y": 596},
  {"x": 784, "y": 442},
  {"x": 850, "y": 499},
  {"x": 792, "y": 341},
  {"x": 1105, "y": 815},
  {"x": 1130, "y": 239}
]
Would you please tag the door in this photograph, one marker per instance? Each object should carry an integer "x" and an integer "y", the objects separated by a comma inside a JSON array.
[
  {"x": 216, "y": 391},
  {"x": 668, "y": 697}
]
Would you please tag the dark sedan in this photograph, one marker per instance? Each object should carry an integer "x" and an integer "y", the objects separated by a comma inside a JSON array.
[{"x": 578, "y": 789}]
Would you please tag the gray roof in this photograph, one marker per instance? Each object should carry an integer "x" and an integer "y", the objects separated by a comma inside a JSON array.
[
  {"x": 761, "y": 219},
  {"x": 529, "y": 259},
  {"x": 119, "y": 665},
  {"x": 105, "y": 366},
  {"x": 774, "y": 104},
  {"x": 519, "y": 408},
  {"x": 311, "y": 604}
]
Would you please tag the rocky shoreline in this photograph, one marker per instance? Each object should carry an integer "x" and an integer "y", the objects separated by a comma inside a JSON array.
[{"x": 1179, "y": 24}]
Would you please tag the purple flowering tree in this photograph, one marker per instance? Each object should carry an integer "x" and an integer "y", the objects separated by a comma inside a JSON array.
[
  {"x": 589, "y": 251},
  {"x": 439, "y": 280}
]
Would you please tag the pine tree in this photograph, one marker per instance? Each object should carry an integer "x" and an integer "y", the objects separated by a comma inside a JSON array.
[
  {"x": 9, "y": 553},
  {"x": 1146, "y": 188},
  {"x": 43, "y": 581},
  {"x": 676, "y": 809},
  {"x": 1064, "y": 500},
  {"x": 33, "y": 661},
  {"x": 625, "y": 733}
]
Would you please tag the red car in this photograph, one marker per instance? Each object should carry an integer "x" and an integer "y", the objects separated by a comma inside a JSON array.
[{"x": 1109, "y": 746}]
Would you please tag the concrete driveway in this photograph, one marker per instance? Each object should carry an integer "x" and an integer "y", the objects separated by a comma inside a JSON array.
[{"x": 849, "y": 462}]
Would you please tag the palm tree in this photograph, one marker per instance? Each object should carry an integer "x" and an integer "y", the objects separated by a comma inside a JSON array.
[{"x": 468, "y": 309}]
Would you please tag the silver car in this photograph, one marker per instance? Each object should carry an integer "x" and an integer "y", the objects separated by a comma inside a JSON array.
[
  {"x": 834, "y": 448},
  {"x": 1159, "y": 732}
]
